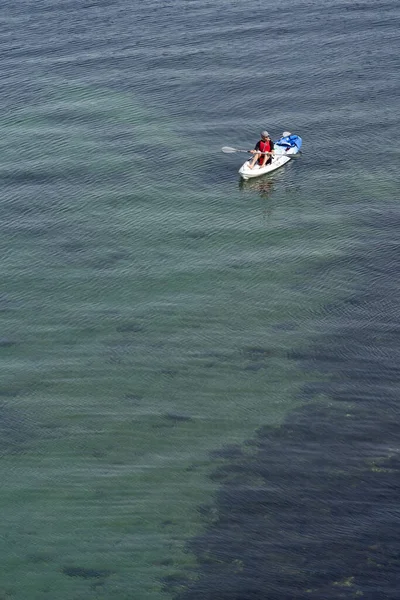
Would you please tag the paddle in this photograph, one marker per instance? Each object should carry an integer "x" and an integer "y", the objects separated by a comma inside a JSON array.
[{"x": 229, "y": 150}]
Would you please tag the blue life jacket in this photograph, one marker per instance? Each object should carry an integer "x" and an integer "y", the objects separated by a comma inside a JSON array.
[{"x": 288, "y": 141}]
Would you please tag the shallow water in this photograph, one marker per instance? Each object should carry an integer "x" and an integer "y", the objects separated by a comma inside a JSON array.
[{"x": 164, "y": 323}]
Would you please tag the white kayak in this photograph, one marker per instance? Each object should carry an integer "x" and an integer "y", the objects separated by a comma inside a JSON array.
[{"x": 284, "y": 149}]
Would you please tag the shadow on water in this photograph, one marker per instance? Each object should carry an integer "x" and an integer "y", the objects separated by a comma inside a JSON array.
[{"x": 310, "y": 509}]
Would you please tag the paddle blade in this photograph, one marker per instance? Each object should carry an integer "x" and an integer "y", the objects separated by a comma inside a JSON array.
[{"x": 229, "y": 150}]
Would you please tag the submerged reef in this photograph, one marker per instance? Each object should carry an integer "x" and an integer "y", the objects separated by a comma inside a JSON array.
[{"x": 309, "y": 511}]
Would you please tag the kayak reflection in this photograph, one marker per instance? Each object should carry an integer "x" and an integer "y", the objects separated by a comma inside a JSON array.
[{"x": 263, "y": 186}]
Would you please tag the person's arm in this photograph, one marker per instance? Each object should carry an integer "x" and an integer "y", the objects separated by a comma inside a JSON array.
[{"x": 256, "y": 148}]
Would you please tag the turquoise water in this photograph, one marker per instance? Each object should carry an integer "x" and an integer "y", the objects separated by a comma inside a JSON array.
[{"x": 155, "y": 310}]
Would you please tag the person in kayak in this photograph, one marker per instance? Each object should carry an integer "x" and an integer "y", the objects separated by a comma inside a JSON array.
[{"x": 264, "y": 145}]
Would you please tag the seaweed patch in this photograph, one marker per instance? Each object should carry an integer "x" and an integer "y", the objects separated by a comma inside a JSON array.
[
  {"x": 86, "y": 573},
  {"x": 310, "y": 509}
]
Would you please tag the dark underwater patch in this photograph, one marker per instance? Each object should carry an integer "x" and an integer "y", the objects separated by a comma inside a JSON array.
[
  {"x": 86, "y": 573},
  {"x": 16, "y": 432},
  {"x": 133, "y": 398},
  {"x": 130, "y": 327},
  {"x": 6, "y": 303},
  {"x": 107, "y": 260},
  {"x": 171, "y": 420},
  {"x": 309, "y": 510},
  {"x": 7, "y": 342},
  {"x": 38, "y": 176},
  {"x": 177, "y": 417}
]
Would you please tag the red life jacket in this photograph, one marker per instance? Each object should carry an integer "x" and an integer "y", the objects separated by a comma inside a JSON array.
[{"x": 265, "y": 146}]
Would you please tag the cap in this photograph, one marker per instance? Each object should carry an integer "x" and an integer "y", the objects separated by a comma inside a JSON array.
[
  {"x": 264, "y": 134},
  {"x": 286, "y": 134}
]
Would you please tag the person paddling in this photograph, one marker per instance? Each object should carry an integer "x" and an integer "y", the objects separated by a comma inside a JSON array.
[{"x": 263, "y": 151}]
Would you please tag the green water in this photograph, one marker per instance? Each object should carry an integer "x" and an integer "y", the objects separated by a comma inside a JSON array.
[{"x": 146, "y": 322}]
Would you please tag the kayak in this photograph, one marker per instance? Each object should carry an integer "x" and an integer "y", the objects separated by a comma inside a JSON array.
[{"x": 284, "y": 148}]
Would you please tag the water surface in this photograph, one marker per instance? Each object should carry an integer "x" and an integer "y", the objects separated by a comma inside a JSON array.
[{"x": 187, "y": 359}]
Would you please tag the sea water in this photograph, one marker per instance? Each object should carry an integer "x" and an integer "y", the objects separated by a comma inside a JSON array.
[{"x": 199, "y": 376}]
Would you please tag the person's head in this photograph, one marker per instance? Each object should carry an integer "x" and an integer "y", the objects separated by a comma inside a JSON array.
[{"x": 265, "y": 135}]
